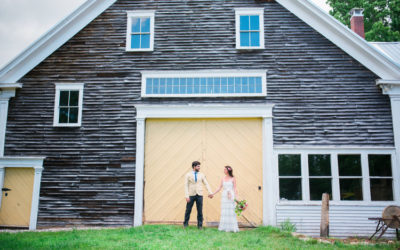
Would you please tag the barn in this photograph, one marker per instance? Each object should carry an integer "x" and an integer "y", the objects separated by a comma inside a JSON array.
[{"x": 103, "y": 115}]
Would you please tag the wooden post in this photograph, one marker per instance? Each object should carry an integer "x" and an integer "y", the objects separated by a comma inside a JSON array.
[{"x": 324, "y": 231}]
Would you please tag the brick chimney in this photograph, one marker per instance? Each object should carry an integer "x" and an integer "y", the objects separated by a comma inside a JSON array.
[{"x": 357, "y": 21}]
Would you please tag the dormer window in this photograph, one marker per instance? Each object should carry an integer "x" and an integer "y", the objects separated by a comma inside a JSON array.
[
  {"x": 249, "y": 28},
  {"x": 140, "y": 31}
]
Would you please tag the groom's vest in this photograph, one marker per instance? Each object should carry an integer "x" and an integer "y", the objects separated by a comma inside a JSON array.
[{"x": 192, "y": 187}]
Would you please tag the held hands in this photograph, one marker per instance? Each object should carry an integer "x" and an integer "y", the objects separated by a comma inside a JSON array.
[{"x": 210, "y": 196}]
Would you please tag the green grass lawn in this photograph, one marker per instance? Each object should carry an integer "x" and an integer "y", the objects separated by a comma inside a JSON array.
[{"x": 167, "y": 237}]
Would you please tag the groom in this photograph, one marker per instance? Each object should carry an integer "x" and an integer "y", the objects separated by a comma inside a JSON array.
[{"x": 194, "y": 193}]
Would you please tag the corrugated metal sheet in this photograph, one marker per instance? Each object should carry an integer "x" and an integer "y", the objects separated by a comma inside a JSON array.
[
  {"x": 344, "y": 220},
  {"x": 391, "y": 49}
]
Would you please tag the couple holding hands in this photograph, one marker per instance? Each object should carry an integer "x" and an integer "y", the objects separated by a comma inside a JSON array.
[{"x": 194, "y": 193}]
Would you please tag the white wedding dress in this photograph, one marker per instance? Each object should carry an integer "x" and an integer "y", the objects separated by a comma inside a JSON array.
[{"x": 228, "y": 221}]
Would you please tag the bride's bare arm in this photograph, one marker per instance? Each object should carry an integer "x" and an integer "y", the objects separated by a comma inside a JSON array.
[{"x": 220, "y": 187}]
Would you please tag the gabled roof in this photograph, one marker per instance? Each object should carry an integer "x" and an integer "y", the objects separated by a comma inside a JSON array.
[{"x": 328, "y": 26}]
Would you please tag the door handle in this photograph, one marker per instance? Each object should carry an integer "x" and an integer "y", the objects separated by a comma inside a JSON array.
[
  {"x": 5, "y": 189},
  {"x": 259, "y": 187}
]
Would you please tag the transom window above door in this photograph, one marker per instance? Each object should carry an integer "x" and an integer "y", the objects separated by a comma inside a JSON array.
[{"x": 204, "y": 83}]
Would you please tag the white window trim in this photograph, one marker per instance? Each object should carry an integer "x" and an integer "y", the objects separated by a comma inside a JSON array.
[
  {"x": 67, "y": 86},
  {"x": 253, "y": 12},
  {"x": 334, "y": 152},
  {"x": 205, "y": 73},
  {"x": 25, "y": 162},
  {"x": 136, "y": 14}
]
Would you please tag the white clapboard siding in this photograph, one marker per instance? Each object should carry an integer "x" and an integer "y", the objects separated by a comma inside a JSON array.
[{"x": 344, "y": 220}]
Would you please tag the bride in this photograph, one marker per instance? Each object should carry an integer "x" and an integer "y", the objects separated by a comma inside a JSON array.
[{"x": 228, "y": 221}]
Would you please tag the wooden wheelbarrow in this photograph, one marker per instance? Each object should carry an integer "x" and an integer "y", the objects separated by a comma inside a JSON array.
[{"x": 390, "y": 219}]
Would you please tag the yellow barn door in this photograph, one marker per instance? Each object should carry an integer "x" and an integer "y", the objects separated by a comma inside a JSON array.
[
  {"x": 171, "y": 146},
  {"x": 16, "y": 198}
]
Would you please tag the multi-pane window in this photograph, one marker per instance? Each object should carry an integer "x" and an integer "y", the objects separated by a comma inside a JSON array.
[
  {"x": 290, "y": 177},
  {"x": 249, "y": 28},
  {"x": 68, "y": 104},
  {"x": 191, "y": 84},
  {"x": 350, "y": 177},
  {"x": 346, "y": 175},
  {"x": 319, "y": 171},
  {"x": 140, "y": 33},
  {"x": 381, "y": 181}
]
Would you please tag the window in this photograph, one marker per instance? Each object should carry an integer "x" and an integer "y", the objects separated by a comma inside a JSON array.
[
  {"x": 381, "y": 182},
  {"x": 319, "y": 170},
  {"x": 140, "y": 31},
  {"x": 290, "y": 177},
  {"x": 204, "y": 83},
  {"x": 350, "y": 177},
  {"x": 68, "y": 105},
  {"x": 249, "y": 28}
]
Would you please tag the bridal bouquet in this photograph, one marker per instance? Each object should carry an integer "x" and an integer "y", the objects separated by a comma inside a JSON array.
[{"x": 240, "y": 206}]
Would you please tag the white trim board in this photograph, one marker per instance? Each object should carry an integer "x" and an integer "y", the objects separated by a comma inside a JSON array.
[
  {"x": 264, "y": 111},
  {"x": 26, "y": 162}
]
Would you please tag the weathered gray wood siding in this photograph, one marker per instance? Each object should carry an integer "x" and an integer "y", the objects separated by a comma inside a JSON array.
[{"x": 322, "y": 97}]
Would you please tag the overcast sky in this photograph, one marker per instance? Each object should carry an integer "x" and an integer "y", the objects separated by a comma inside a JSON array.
[{"x": 24, "y": 21}]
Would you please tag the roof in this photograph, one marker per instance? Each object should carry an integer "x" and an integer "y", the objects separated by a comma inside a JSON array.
[
  {"x": 375, "y": 60},
  {"x": 391, "y": 49}
]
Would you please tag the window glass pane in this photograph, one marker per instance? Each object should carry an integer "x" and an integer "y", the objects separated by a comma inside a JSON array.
[
  {"x": 290, "y": 189},
  {"x": 162, "y": 83},
  {"x": 217, "y": 85},
  {"x": 169, "y": 86},
  {"x": 231, "y": 84},
  {"x": 145, "y": 25},
  {"x": 189, "y": 83},
  {"x": 349, "y": 165},
  {"x": 182, "y": 86},
  {"x": 135, "y": 24},
  {"x": 381, "y": 189},
  {"x": 244, "y": 23},
  {"x": 289, "y": 165},
  {"x": 258, "y": 85},
  {"x": 252, "y": 84},
  {"x": 156, "y": 85},
  {"x": 135, "y": 41},
  {"x": 244, "y": 39},
  {"x": 320, "y": 186},
  {"x": 73, "y": 115},
  {"x": 351, "y": 189},
  {"x": 74, "y": 98},
  {"x": 254, "y": 23},
  {"x": 319, "y": 165},
  {"x": 196, "y": 85},
  {"x": 210, "y": 82},
  {"x": 63, "y": 115},
  {"x": 203, "y": 85},
  {"x": 245, "y": 85},
  {"x": 380, "y": 165},
  {"x": 224, "y": 85},
  {"x": 175, "y": 88},
  {"x": 64, "y": 98},
  {"x": 255, "y": 39},
  {"x": 238, "y": 85},
  {"x": 145, "y": 44},
  {"x": 149, "y": 86}
]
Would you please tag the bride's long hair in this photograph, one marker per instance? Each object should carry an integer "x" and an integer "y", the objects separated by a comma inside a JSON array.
[{"x": 230, "y": 170}]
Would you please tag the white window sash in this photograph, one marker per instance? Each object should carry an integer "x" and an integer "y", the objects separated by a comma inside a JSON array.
[
  {"x": 139, "y": 14},
  {"x": 68, "y": 87},
  {"x": 249, "y": 12}
]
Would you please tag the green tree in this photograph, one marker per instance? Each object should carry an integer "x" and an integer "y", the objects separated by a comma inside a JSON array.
[{"x": 381, "y": 17}]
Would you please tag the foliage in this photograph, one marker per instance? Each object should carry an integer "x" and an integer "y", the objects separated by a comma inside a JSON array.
[
  {"x": 288, "y": 226},
  {"x": 381, "y": 17},
  {"x": 167, "y": 237},
  {"x": 240, "y": 206}
]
